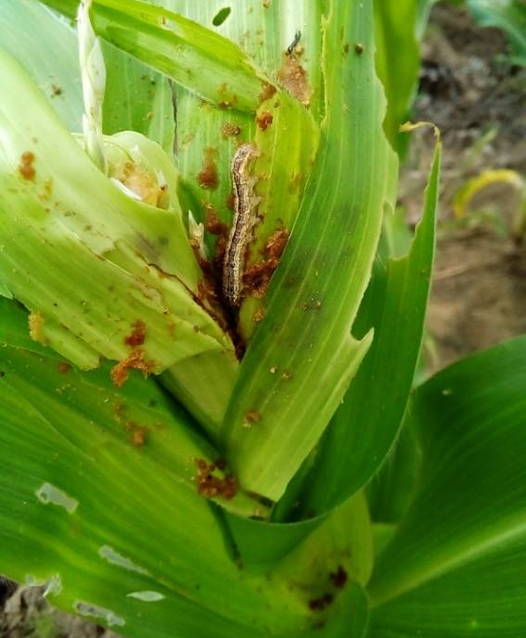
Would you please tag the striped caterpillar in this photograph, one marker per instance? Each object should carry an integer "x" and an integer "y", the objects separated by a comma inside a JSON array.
[{"x": 245, "y": 205}]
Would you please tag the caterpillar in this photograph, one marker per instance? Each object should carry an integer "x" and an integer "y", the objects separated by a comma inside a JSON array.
[{"x": 245, "y": 204}]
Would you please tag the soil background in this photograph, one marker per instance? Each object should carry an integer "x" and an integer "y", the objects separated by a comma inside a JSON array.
[
  {"x": 477, "y": 98},
  {"x": 469, "y": 88}
]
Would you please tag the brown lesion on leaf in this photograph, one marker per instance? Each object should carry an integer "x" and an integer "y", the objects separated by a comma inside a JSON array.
[
  {"x": 231, "y": 201},
  {"x": 219, "y": 253},
  {"x": 257, "y": 276},
  {"x": 209, "y": 298},
  {"x": 208, "y": 178},
  {"x": 137, "y": 434},
  {"x": 214, "y": 225},
  {"x": 206, "y": 287},
  {"x": 119, "y": 411},
  {"x": 251, "y": 417},
  {"x": 230, "y": 130},
  {"x": 259, "y": 315},
  {"x": 276, "y": 243},
  {"x": 228, "y": 100},
  {"x": 359, "y": 48},
  {"x": 339, "y": 577},
  {"x": 137, "y": 336},
  {"x": 210, "y": 485},
  {"x": 264, "y": 120},
  {"x": 64, "y": 367},
  {"x": 48, "y": 189},
  {"x": 134, "y": 361},
  {"x": 267, "y": 92},
  {"x": 321, "y": 603},
  {"x": 209, "y": 295},
  {"x": 36, "y": 322},
  {"x": 294, "y": 79},
  {"x": 26, "y": 168}
]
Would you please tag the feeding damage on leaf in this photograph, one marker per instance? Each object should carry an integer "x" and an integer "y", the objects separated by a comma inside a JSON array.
[
  {"x": 210, "y": 485},
  {"x": 36, "y": 322},
  {"x": 26, "y": 168},
  {"x": 134, "y": 361},
  {"x": 295, "y": 79},
  {"x": 257, "y": 276},
  {"x": 137, "y": 336},
  {"x": 208, "y": 177}
]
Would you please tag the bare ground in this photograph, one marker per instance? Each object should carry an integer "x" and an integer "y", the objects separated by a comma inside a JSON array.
[{"x": 477, "y": 98}]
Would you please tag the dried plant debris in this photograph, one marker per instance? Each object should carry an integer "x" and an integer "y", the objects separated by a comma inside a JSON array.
[{"x": 27, "y": 614}]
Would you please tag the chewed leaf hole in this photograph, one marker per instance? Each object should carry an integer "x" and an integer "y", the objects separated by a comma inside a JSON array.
[
  {"x": 49, "y": 494},
  {"x": 87, "y": 609},
  {"x": 221, "y": 16},
  {"x": 115, "y": 558},
  {"x": 146, "y": 596}
]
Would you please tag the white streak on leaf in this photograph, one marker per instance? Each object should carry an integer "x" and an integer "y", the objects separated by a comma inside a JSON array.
[
  {"x": 146, "y": 596},
  {"x": 87, "y": 609},
  {"x": 115, "y": 558},
  {"x": 50, "y": 494},
  {"x": 53, "y": 586}
]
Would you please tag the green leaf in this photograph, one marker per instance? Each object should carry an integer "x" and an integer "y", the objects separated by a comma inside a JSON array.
[
  {"x": 326, "y": 561},
  {"x": 397, "y": 60},
  {"x": 207, "y": 139},
  {"x": 364, "y": 428},
  {"x": 423, "y": 8},
  {"x": 288, "y": 147},
  {"x": 265, "y": 30},
  {"x": 456, "y": 565},
  {"x": 137, "y": 99},
  {"x": 509, "y": 15},
  {"x": 261, "y": 545},
  {"x": 199, "y": 59},
  {"x": 303, "y": 357},
  {"x": 350, "y": 617},
  {"x": 284, "y": 132},
  {"x": 343, "y": 540},
  {"x": 330, "y": 567},
  {"x": 82, "y": 498},
  {"x": 48, "y": 49},
  {"x": 390, "y": 492},
  {"x": 97, "y": 492},
  {"x": 89, "y": 261}
]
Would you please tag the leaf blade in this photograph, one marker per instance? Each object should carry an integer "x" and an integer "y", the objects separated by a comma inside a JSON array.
[
  {"x": 453, "y": 566},
  {"x": 365, "y": 427},
  {"x": 47, "y": 48},
  {"x": 176, "y": 46},
  {"x": 81, "y": 495},
  {"x": 300, "y": 325}
]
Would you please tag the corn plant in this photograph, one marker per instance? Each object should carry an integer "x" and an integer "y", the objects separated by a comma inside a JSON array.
[{"x": 210, "y": 331}]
